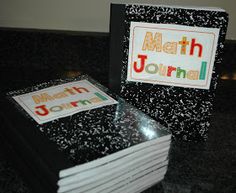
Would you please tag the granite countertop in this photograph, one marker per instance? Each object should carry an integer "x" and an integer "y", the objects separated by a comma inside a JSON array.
[{"x": 28, "y": 56}]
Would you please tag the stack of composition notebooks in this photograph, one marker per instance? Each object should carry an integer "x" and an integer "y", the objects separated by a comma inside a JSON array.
[{"x": 74, "y": 135}]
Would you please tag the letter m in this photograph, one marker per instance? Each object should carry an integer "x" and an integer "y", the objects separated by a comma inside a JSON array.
[
  {"x": 42, "y": 98},
  {"x": 151, "y": 43}
]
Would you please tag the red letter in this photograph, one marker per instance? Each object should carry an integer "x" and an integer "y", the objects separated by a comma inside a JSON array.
[
  {"x": 80, "y": 89},
  {"x": 44, "y": 110},
  {"x": 193, "y": 44},
  {"x": 74, "y": 104},
  {"x": 143, "y": 58},
  {"x": 170, "y": 69}
]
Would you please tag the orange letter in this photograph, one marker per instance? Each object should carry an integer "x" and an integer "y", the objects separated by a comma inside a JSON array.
[
  {"x": 151, "y": 43},
  {"x": 42, "y": 98},
  {"x": 183, "y": 44},
  {"x": 170, "y": 47}
]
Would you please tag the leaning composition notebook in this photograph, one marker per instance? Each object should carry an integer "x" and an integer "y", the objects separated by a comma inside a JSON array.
[
  {"x": 79, "y": 137},
  {"x": 164, "y": 59}
]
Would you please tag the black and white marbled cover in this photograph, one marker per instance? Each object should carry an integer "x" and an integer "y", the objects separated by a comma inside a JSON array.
[
  {"x": 95, "y": 133},
  {"x": 185, "y": 111}
]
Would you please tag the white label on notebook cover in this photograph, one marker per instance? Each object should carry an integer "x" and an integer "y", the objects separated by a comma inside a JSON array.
[
  {"x": 63, "y": 100},
  {"x": 174, "y": 55}
]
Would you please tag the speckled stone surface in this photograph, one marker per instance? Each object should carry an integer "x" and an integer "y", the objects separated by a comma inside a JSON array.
[
  {"x": 185, "y": 111},
  {"x": 206, "y": 167}
]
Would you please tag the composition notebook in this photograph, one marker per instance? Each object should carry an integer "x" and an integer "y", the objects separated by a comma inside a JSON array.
[
  {"x": 65, "y": 131},
  {"x": 164, "y": 59}
]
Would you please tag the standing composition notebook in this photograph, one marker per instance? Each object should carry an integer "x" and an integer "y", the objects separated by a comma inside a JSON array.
[
  {"x": 164, "y": 59},
  {"x": 65, "y": 131}
]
